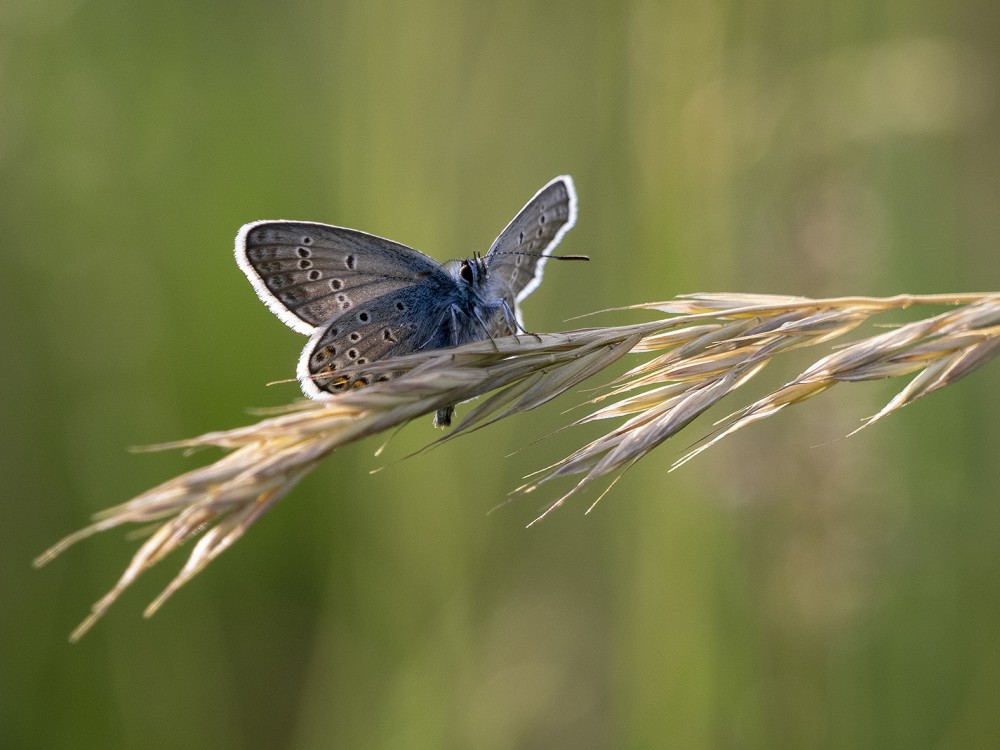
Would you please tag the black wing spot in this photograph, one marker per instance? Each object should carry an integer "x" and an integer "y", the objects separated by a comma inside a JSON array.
[
  {"x": 520, "y": 237},
  {"x": 315, "y": 275},
  {"x": 541, "y": 219},
  {"x": 303, "y": 252},
  {"x": 326, "y": 352},
  {"x": 400, "y": 306},
  {"x": 364, "y": 317},
  {"x": 304, "y": 264},
  {"x": 355, "y": 336},
  {"x": 518, "y": 260},
  {"x": 306, "y": 240},
  {"x": 352, "y": 353},
  {"x": 341, "y": 298},
  {"x": 362, "y": 361},
  {"x": 336, "y": 284},
  {"x": 540, "y": 231},
  {"x": 387, "y": 335},
  {"x": 274, "y": 283},
  {"x": 351, "y": 261}
]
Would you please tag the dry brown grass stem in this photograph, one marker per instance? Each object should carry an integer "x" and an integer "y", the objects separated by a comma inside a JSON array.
[{"x": 704, "y": 349}]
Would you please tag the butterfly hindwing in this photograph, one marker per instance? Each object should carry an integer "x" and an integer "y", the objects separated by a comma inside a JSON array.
[
  {"x": 394, "y": 324},
  {"x": 518, "y": 255},
  {"x": 309, "y": 274}
]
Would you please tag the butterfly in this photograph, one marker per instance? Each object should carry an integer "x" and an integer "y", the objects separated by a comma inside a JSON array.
[{"x": 362, "y": 298}]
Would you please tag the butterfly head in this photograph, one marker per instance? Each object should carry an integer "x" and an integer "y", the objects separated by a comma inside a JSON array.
[{"x": 473, "y": 270}]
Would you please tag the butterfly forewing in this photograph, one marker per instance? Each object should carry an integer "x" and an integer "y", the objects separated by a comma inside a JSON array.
[
  {"x": 518, "y": 255},
  {"x": 309, "y": 274}
]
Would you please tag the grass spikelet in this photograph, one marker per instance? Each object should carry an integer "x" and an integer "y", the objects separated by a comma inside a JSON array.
[{"x": 703, "y": 349}]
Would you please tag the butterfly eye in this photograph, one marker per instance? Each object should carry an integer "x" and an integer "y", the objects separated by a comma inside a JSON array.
[{"x": 466, "y": 271}]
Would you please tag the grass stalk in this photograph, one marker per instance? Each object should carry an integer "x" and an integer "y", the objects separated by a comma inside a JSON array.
[{"x": 699, "y": 350}]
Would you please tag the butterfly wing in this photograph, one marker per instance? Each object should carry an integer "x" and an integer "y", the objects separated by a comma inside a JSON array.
[
  {"x": 309, "y": 274},
  {"x": 400, "y": 322},
  {"x": 518, "y": 255}
]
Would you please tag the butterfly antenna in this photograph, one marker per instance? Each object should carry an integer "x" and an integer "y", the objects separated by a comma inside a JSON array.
[{"x": 554, "y": 257}]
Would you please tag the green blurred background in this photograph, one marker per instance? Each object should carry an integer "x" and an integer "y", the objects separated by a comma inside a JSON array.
[{"x": 785, "y": 590}]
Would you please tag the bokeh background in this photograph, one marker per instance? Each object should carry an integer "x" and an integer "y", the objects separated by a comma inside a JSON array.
[{"x": 786, "y": 590}]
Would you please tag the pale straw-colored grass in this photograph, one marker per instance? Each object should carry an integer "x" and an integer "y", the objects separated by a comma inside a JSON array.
[{"x": 700, "y": 351}]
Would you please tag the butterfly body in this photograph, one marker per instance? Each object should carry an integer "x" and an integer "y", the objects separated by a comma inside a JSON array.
[{"x": 362, "y": 298}]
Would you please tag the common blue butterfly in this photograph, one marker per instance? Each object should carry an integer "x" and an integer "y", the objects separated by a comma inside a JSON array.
[{"x": 362, "y": 298}]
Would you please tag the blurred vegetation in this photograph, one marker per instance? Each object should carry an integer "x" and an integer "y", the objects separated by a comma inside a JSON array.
[{"x": 772, "y": 595}]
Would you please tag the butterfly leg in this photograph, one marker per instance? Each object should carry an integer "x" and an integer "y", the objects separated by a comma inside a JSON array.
[
  {"x": 513, "y": 324},
  {"x": 485, "y": 328},
  {"x": 434, "y": 338}
]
